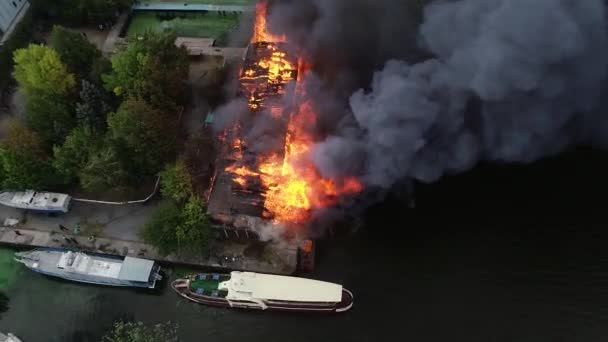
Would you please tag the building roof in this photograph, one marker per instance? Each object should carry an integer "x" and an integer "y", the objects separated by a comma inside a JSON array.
[
  {"x": 136, "y": 269},
  {"x": 248, "y": 286}
]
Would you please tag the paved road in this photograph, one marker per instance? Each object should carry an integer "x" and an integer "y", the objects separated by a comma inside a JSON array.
[{"x": 117, "y": 222}]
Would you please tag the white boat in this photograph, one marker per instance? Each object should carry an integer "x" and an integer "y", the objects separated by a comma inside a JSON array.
[
  {"x": 92, "y": 268},
  {"x": 248, "y": 290},
  {"x": 49, "y": 202},
  {"x": 9, "y": 338}
]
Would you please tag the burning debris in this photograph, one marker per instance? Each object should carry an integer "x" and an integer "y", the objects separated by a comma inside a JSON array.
[
  {"x": 266, "y": 71},
  {"x": 277, "y": 186}
]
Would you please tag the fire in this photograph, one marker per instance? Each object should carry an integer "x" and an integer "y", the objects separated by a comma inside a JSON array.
[
  {"x": 292, "y": 185},
  {"x": 271, "y": 68},
  {"x": 260, "y": 30}
]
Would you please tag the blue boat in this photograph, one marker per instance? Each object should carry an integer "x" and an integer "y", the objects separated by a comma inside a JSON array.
[{"x": 92, "y": 268}]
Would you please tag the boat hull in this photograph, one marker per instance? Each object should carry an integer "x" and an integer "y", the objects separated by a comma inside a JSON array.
[
  {"x": 100, "y": 282},
  {"x": 181, "y": 286},
  {"x": 86, "y": 278}
]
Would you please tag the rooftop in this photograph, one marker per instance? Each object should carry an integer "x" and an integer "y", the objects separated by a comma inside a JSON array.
[
  {"x": 247, "y": 286},
  {"x": 135, "y": 269}
]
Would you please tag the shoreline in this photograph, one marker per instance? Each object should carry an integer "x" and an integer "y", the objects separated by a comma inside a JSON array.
[{"x": 32, "y": 238}]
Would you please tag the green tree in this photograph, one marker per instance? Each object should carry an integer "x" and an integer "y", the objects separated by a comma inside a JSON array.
[
  {"x": 148, "y": 137},
  {"x": 103, "y": 171},
  {"x": 151, "y": 69},
  {"x": 175, "y": 182},
  {"x": 138, "y": 332},
  {"x": 49, "y": 91},
  {"x": 176, "y": 227},
  {"x": 38, "y": 69},
  {"x": 194, "y": 231},
  {"x": 75, "y": 51},
  {"x": 93, "y": 107},
  {"x": 80, "y": 12},
  {"x": 51, "y": 117},
  {"x": 159, "y": 231},
  {"x": 23, "y": 162},
  {"x": 71, "y": 157}
]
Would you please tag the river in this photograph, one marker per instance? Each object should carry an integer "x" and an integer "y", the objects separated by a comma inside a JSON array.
[{"x": 514, "y": 254}]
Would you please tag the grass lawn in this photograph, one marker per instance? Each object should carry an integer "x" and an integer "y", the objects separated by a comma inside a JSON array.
[
  {"x": 210, "y": 25},
  {"x": 206, "y": 2}
]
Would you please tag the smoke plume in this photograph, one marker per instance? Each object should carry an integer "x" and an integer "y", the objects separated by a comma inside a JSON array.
[{"x": 407, "y": 91}]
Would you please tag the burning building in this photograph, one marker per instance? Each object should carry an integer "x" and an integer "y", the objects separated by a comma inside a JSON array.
[{"x": 261, "y": 190}]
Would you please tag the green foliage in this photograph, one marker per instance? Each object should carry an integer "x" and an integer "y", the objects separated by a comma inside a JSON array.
[
  {"x": 73, "y": 155},
  {"x": 49, "y": 90},
  {"x": 75, "y": 50},
  {"x": 194, "y": 231},
  {"x": 103, "y": 171},
  {"x": 23, "y": 163},
  {"x": 138, "y": 332},
  {"x": 80, "y": 12},
  {"x": 175, "y": 182},
  {"x": 39, "y": 70},
  {"x": 179, "y": 227},
  {"x": 93, "y": 107},
  {"x": 49, "y": 116},
  {"x": 152, "y": 69},
  {"x": 147, "y": 136},
  {"x": 160, "y": 229}
]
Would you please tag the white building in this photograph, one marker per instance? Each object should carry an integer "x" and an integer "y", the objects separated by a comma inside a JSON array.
[{"x": 11, "y": 11}]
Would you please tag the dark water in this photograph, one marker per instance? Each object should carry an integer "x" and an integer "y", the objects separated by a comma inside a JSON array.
[{"x": 500, "y": 254}]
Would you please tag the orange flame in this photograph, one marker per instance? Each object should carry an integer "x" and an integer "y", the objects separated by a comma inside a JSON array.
[
  {"x": 293, "y": 185},
  {"x": 260, "y": 30}
]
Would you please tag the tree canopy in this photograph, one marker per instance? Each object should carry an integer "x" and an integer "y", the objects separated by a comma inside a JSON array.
[
  {"x": 175, "y": 182},
  {"x": 49, "y": 91},
  {"x": 194, "y": 231},
  {"x": 93, "y": 107},
  {"x": 80, "y": 12},
  {"x": 179, "y": 227},
  {"x": 148, "y": 137},
  {"x": 23, "y": 163},
  {"x": 75, "y": 51},
  {"x": 138, "y": 332},
  {"x": 104, "y": 170},
  {"x": 39, "y": 70},
  {"x": 160, "y": 229},
  {"x": 151, "y": 69},
  {"x": 71, "y": 157}
]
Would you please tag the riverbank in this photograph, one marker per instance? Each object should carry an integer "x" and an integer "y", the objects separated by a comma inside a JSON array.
[{"x": 114, "y": 230}]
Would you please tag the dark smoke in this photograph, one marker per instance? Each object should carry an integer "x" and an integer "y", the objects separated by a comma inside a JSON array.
[{"x": 495, "y": 80}]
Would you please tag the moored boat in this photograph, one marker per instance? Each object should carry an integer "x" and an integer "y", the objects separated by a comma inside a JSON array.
[
  {"x": 9, "y": 338},
  {"x": 92, "y": 268},
  {"x": 248, "y": 290},
  {"x": 48, "y": 202}
]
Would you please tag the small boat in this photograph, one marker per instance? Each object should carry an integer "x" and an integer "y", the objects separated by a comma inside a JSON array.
[
  {"x": 48, "y": 202},
  {"x": 248, "y": 290},
  {"x": 9, "y": 338},
  {"x": 92, "y": 268}
]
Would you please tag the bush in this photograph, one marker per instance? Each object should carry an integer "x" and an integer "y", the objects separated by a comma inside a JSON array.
[
  {"x": 160, "y": 230},
  {"x": 138, "y": 332},
  {"x": 179, "y": 228},
  {"x": 175, "y": 182}
]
